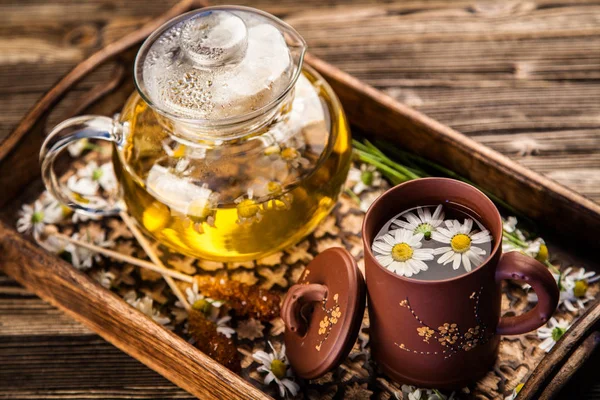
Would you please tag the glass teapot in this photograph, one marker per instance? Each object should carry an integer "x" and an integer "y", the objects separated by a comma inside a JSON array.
[{"x": 230, "y": 149}]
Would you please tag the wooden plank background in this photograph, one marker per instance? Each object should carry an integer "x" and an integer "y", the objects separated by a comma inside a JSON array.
[{"x": 520, "y": 76}]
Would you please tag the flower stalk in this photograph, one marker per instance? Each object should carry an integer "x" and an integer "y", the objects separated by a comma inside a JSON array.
[{"x": 410, "y": 166}]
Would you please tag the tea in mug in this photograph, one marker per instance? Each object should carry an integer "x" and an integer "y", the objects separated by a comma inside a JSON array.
[{"x": 433, "y": 242}]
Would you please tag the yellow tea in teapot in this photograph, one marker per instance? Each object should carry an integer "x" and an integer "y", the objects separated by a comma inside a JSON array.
[{"x": 240, "y": 201}]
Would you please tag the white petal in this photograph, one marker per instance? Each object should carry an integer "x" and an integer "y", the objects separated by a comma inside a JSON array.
[
  {"x": 438, "y": 214},
  {"x": 442, "y": 250},
  {"x": 441, "y": 236},
  {"x": 421, "y": 213},
  {"x": 477, "y": 250},
  {"x": 456, "y": 261},
  {"x": 474, "y": 258},
  {"x": 481, "y": 237},
  {"x": 394, "y": 266},
  {"x": 269, "y": 378},
  {"x": 262, "y": 357},
  {"x": 405, "y": 225},
  {"x": 445, "y": 257},
  {"x": 292, "y": 386},
  {"x": 466, "y": 227},
  {"x": 569, "y": 306},
  {"x": 422, "y": 254},
  {"x": 547, "y": 344},
  {"x": 410, "y": 217},
  {"x": 382, "y": 247},
  {"x": 389, "y": 239},
  {"x": 384, "y": 260},
  {"x": 419, "y": 265},
  {"x": 466, "y": 262},
  {"x": 415, "y": 239}
]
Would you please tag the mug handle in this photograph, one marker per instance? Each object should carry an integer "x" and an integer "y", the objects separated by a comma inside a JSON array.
[
  {"x": 515, "y": 265},
  {"x": 297, "y": 297},
  {"x": 65, "y": 133}
]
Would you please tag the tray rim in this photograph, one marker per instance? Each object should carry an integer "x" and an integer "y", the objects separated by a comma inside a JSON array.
[{"x": 32, "y": 274}]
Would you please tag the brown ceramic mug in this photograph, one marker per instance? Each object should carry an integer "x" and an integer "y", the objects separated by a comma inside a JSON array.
[{"x": 446, "y": 333}]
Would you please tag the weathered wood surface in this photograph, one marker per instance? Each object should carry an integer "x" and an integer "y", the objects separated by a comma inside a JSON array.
[{"x": 521, "y": 77}]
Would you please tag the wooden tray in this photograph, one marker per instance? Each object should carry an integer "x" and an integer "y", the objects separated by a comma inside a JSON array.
[{"x": 369, "y": 110}]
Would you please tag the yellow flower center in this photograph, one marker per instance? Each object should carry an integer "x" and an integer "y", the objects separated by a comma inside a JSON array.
[
  {"x": 272, "y": 150},
  {"x": 542, "y": 255},
  {"x": 289, "y": 154},
  {"x": 402, "y": 252},
  {"x": 198, "y": 210},
  {"x": 248, "y": 208},
  {"x": 202, "y": 305},
  {"x": 278, "y": 368},
  {"x": 460, "y": 243},
  {"x": 65, "y": 210},
  {"x": 179, "y": 152},
  {"x": 274, "y": 187},
  {"x": 580, "y": 288}
]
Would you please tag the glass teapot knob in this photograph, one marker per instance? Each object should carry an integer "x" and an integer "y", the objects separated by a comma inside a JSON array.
[{"x": 214, "y": 38}]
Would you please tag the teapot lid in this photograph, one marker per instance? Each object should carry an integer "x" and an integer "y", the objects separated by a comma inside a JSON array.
[
  {"x": 323, "y": 313},
  {"x": 225, "y": 64}
]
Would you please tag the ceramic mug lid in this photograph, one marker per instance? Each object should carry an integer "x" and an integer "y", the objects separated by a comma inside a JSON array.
[{"x": 323, "y": 313}]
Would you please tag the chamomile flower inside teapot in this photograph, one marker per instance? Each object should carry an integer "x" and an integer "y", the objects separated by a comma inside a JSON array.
[{"x": 230, "y": 149}]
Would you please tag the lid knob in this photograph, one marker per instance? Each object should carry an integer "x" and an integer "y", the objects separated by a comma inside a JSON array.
[{"x": 214, "y": 38}]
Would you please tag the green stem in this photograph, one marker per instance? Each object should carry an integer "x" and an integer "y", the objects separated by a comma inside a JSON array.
[
  {"x": 352, "y": 195},
  {"x": 445, "y": 171},
  {"x": 512, "y": 238},
  {"x": 552, "y": 267},
  {"x": 386, "y": 161},
  {"x": 383, "y": 167}
]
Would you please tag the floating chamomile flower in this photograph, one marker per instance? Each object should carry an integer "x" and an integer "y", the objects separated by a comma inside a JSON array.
[
  {"x": 248, "y": 209},
  {"x": 293, "y": 158},
  {"x": 364, "y": 178},
  {"x": 424, "y": 222},
  {"x": 400, "y": 252},
  {"x": 273, "y": 193},
  {"x": 202, "y": 208},
  {"x": 551, "y": 333},
  {"x": 276, "y": 366},
  {"x": 279, "y": 200},
  {"x": 461, "y": 241}
]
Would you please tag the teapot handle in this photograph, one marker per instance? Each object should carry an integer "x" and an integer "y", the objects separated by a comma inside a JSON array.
[{"x": 63, "y": 134}]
